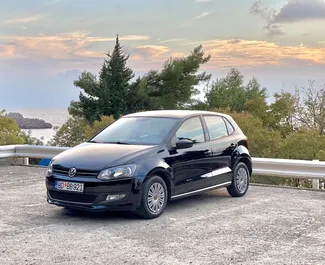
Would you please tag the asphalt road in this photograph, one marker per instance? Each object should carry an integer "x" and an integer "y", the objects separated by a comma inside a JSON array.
[{"x": 267, "y": 226}]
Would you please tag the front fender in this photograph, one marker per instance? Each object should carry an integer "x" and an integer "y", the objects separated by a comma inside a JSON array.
[{"x": 151, "y": 167}]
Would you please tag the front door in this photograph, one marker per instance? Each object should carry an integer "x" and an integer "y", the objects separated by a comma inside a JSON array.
[{"x": 191, "y": 166}]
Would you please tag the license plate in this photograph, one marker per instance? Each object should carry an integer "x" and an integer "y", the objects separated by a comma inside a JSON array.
[{"x": 69, "y": 186}]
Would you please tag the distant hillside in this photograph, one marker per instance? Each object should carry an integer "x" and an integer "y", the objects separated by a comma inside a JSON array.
[{"x": 28, "y": 123}]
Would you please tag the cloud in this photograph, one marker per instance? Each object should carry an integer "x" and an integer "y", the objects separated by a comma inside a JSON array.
[
  {"x": 292, "y": 11},
  {"x": 188, "y": 23},
  {"x": 24, "y": 20},
  {"x": 171, "y": 40},
  {"x": 149, "y": 51},
  {"x": 76, "y": 50},
  {"x": 249, "y": 53},
  {"x": 203, "y": 14},
  {"x": 65, "y": 46},
  {"x": 147, "y": 57},
  {"x": 300, "y": 10},
  {"x": 202, "y": 1},
  {"x": 273, "y": 30},
  {"x": 7, "y": 50}
]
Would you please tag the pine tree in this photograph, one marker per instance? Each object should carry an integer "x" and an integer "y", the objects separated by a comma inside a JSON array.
[
  {"x": 116, "y": 82},
  {"x": 108, "y": 95}
]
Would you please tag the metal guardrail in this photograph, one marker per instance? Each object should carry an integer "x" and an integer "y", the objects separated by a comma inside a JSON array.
[
  {"x": 30, "y": 151},
  {"x": 303, "y": 169}
]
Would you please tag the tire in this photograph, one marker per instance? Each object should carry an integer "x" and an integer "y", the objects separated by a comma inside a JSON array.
[
  {"x": 154, "y": 191},
  {"x": 240, "y": 181}
]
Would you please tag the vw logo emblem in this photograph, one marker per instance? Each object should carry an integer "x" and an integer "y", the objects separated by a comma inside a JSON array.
[{"x": 72, "y": 172}]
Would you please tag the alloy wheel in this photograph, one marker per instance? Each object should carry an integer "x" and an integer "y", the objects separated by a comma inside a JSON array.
[
  {"x": 156, "y": 197},
  {"x": 241, "y": 179}
]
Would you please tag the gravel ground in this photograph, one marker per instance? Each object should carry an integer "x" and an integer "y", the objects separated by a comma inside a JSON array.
[{"x": 267, "y": 226}]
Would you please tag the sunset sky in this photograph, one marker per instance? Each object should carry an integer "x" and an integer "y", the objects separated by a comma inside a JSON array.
[{"x": 45, "y": 44}]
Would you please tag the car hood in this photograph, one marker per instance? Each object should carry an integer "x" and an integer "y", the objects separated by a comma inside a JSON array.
[{"x": 97, "y": 156}]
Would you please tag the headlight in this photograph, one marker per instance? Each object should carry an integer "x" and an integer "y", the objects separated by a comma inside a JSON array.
[
  {"x": 117, "y": 172},
  {"x": 49, "y": 169}
]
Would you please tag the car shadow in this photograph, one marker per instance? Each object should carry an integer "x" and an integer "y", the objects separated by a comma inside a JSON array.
[{"x": 189, "y": 203}]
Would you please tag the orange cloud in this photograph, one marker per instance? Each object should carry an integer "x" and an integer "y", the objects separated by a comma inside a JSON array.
[
  {"x": 7, "y": 51},
  {"x": 153, "y": 50},
  {"x": 63, "y": 46},
  {"x": 75, "y": 48},
  {"x": 235, "y": 53}
]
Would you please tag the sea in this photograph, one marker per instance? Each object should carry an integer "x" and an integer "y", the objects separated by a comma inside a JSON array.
[{"x": 55, "y": 116}]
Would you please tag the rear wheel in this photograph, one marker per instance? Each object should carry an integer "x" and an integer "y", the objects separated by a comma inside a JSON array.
[
  {"x": 240, "y": 182},
  {"x": 154, "y": 198}
]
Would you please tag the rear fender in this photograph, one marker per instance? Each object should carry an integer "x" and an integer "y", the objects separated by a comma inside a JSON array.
[{"x": 242, "y": 155}]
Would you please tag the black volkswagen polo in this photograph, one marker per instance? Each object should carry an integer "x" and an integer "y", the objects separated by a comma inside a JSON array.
[{"x": 143, "y": 160}]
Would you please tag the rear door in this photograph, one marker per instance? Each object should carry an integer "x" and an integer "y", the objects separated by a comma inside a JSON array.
[{"x": 223, "y": 145}]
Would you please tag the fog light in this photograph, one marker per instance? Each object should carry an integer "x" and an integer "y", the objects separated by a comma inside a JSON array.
[{"x": 115, "y": 197}]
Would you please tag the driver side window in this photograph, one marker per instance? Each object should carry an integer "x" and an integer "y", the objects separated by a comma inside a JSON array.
[{"x": 191, "y": 129}]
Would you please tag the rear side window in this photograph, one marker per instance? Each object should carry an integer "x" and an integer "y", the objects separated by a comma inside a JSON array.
[
  {"x": 216, "y": 127},
  {"x": 191, "y": 129}
]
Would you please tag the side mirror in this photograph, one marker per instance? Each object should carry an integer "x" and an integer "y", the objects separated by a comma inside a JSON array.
[{"x": 183, "y": 144}]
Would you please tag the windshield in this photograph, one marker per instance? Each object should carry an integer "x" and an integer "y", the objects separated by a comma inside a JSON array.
[{"x": 136, "y": 130}]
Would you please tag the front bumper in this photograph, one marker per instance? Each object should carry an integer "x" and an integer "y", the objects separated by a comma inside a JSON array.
[{"x": 94, "y": 196}]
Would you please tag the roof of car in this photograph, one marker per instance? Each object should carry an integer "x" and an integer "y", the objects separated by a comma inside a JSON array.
[{"x": 174, "y": 113}]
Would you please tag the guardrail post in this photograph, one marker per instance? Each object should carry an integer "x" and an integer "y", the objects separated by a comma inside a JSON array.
[
  {"x": 316, "y": 181},
  {"x": 316, "y": 184},
  {"x": 26, "y": 161}
]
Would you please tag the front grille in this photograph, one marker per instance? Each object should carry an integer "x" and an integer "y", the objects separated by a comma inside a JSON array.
[
  {"x": 80, "y": 172},
  {"x": 72, "y": 197}
]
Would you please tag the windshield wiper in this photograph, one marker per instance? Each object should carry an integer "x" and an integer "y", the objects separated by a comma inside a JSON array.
[
  {"x": 119, "y": 142},
  {"x": 92, "y": 141}
]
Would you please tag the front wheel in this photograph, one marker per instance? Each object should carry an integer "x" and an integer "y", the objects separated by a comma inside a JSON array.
[
  {"x": 154, "y": 198},
  {"x": 240, "y": 182}
]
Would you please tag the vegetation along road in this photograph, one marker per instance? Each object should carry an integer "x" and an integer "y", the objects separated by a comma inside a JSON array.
[{"x": 268, "y": 226}]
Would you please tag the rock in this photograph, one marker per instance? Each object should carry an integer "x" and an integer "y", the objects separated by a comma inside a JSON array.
[{"x": 28, "y": 123}]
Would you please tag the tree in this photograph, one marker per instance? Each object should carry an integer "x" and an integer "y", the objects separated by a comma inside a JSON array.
[
  {"x": 91, "y": 130},
  {"x": 304, "y": 144},
  {"x": 106, "y": 96},
  {"x": 116, "y": 77},
  {"x": 262, "y": 141},
  {"x": 29, "y": 139},
  {"x": 71, "y": 133},
  {"x": 231, "y": 92},
  {"x": 77, "y": 130},
  {"x": 87, "y": 107},
  {"x": 311, "y": 110},
  {"x": 9, "y": 131},
  {"x": 138, "y": 98},
  {"x": 174, "y": 86},
  {"x": 282, "y": 115},
  {"x": 258, "y": 108}
]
